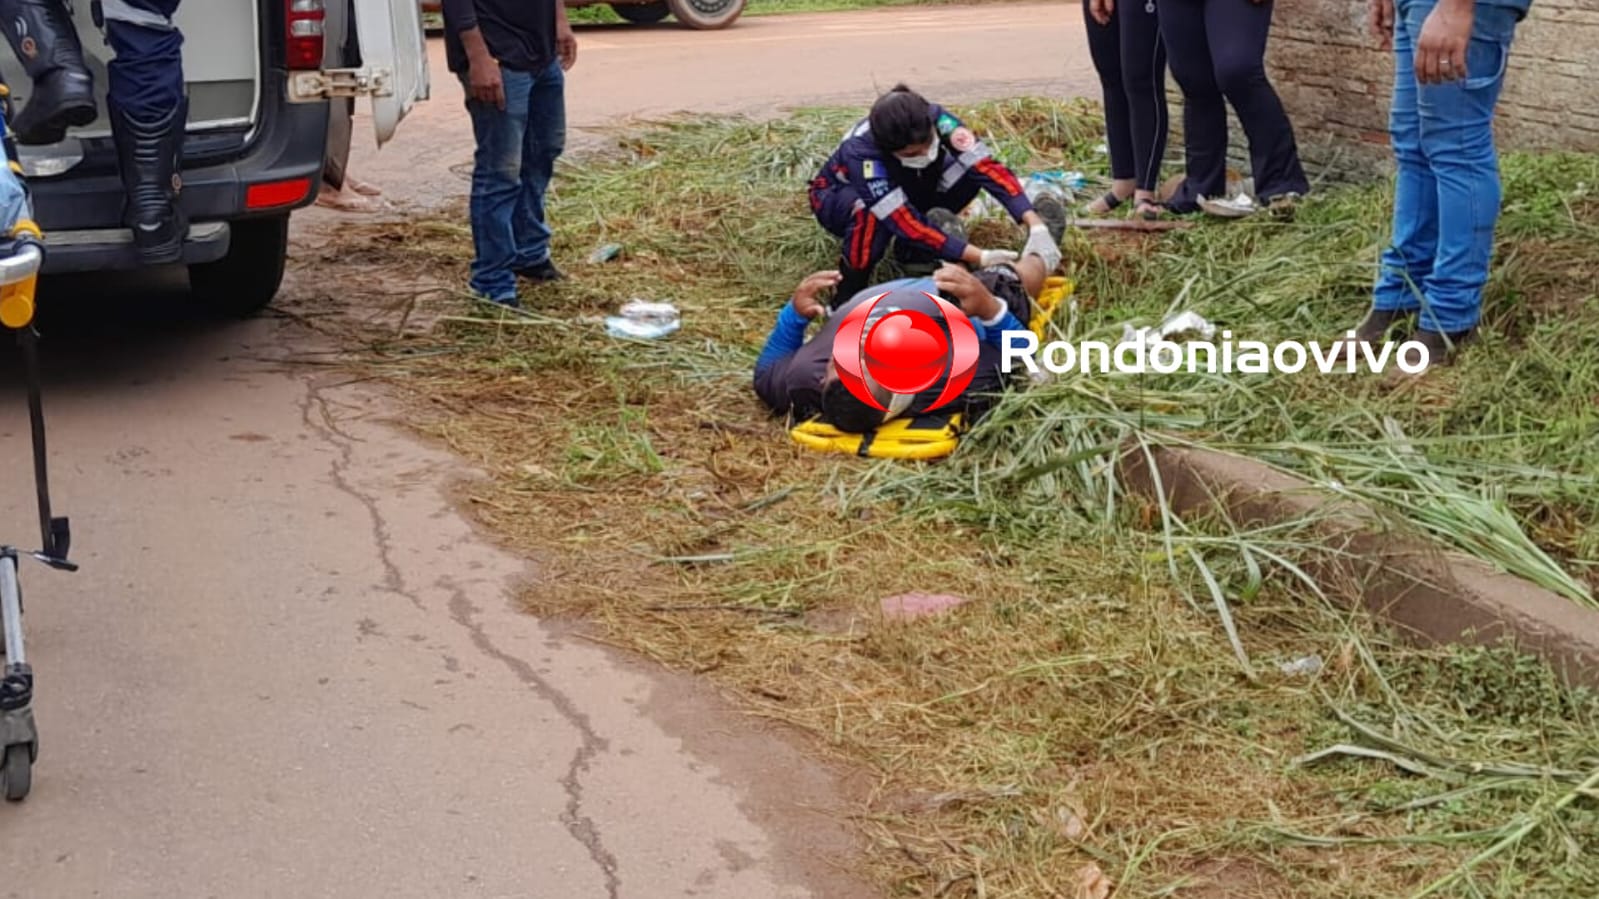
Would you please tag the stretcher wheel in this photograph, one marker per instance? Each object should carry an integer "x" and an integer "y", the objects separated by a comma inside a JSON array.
[{"x": 16, "y": 772}]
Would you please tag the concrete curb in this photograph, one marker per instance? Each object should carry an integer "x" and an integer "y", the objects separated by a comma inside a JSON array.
[{"x": 1436, "y": 595}]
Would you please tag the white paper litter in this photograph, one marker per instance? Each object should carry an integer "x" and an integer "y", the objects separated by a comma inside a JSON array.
[
  {"x": 1182, "y": 324},
  {"x": 644, "y": 320}
]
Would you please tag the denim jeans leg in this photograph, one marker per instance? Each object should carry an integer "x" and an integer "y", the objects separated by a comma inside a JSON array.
[
  {"x": 1457, "y": 136},
  {"x": 497, "y": 186},
  {"x": 542, "y": 143},
  {"x": 1407, "y": 261}
]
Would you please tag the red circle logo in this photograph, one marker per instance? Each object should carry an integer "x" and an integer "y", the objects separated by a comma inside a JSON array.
[{"x": 905, "y": 351}]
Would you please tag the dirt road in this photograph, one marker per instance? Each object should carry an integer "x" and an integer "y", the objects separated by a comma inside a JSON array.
[
  {"x": 290, "y": 668},
  {"x": 760, "y": 66}
]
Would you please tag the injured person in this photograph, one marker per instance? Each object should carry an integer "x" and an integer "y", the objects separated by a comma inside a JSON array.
[{"x": 799, "y": 378}]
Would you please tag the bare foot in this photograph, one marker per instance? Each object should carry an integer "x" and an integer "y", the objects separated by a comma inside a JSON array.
[
  {"x": 1120, "y": 192},
  {"x": 346, "y": 201},
  {"x": 364, "y": 188}
]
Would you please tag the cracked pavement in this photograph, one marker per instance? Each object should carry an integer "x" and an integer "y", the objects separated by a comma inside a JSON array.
[{"x": 290, "y": 667}]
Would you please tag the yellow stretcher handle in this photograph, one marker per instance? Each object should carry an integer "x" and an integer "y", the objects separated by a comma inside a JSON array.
[
  {"x": 1056, "y": 290},
  {"x": 19, "y": 276}
]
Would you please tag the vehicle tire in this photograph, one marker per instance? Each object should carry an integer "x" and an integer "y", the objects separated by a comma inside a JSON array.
[
  {"x": 642, "y": 13},
  {"x": 16, "y": 772},
  {"x": 241, "y": 283},
  {"x": 704, "y": 15}
]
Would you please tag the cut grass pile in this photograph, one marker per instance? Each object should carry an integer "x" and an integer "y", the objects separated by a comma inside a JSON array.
[{"x": 1085, "y": 715}]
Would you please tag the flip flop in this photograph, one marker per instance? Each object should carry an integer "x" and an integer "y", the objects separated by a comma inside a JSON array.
[
  {"x": 1283, "y": 206},
  {"x": 1149, "y": 210}
]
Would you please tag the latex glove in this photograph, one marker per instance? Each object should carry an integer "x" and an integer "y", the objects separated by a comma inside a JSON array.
[
  {"x": 997, "y": 257},
  {"x": 1041, "y": 244}
]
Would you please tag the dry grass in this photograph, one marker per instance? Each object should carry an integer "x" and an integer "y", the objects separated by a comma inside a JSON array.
[{"x": 1083, "y": 710}]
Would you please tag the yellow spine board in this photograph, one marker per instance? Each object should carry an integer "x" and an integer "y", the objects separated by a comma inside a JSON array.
[{"x": 927, "y": 438}]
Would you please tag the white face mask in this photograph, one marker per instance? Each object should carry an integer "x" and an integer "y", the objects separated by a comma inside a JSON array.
[{"x": 924, "y": 160}]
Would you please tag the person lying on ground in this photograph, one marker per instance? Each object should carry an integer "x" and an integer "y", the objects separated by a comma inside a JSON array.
[
  {"x": 796, "y": 377},
  {"x": 902, "y": 174}
]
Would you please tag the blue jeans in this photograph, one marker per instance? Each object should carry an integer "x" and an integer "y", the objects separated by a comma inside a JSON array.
[
  {"x": 516, "y": 151},
  {"x": 1446, "y": 198}
]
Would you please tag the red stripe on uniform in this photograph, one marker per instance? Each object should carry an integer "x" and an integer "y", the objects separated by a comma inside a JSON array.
[
  {"x": 860, "y": 252},
  {"x": 999, "y": 175},
  {"x": 916, "y": 229}
]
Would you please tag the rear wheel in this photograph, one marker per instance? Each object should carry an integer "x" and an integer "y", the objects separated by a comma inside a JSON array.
[
  {"x": 16, "y": 772},
  {"x": 241, "y": 283},
  {"x": 642, "y": 13},
  {"x": 706, "y": 14}
]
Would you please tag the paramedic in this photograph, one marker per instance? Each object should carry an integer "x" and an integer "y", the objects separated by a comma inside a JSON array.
[
  {"x": 903, "y": 173},
  {"x": 145, "y": 99}
]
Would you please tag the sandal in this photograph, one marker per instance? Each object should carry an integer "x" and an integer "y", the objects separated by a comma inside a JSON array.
[
  {"x": 1110, "y": 201},
  {"x": 1149, "y": 210},
  {"x": 1283, "y": 206}
]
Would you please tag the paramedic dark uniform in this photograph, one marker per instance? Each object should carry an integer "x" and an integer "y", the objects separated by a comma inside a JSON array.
[
  {"x": 145, "y": 100},
  {"x": 146, "y": 77},
  {"x": 866, "y": 197}
]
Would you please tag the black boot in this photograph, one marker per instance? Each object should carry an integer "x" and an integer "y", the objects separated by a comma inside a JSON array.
[
  {"x": 46, "y": 42},
  {"x": 150, "y": 155}
]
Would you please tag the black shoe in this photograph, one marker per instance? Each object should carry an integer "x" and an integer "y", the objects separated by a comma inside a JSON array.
[
  {"x": 46, "y": 42},
  {"x": 541, "y": 273},
  {"x": 1383, "y": 324},
  {"x": 1053, "y": 212},
  {"x": 1379, "y": 326},
  {"x": 948, "y": 222},
  {"x": 1442, "y": 347},
  {"x": 150, "y": 155}
]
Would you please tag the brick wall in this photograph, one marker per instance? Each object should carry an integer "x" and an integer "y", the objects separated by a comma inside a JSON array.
[{"x": 1335, "y": 84}]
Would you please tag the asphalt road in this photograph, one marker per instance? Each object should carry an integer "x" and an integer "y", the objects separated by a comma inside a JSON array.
[{"x": 290, "y": 668}]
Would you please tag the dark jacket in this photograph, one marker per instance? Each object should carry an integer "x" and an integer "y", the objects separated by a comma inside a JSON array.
[
  {"x": 520, "y": 33},
  {"x": 897, "y": 196}
]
